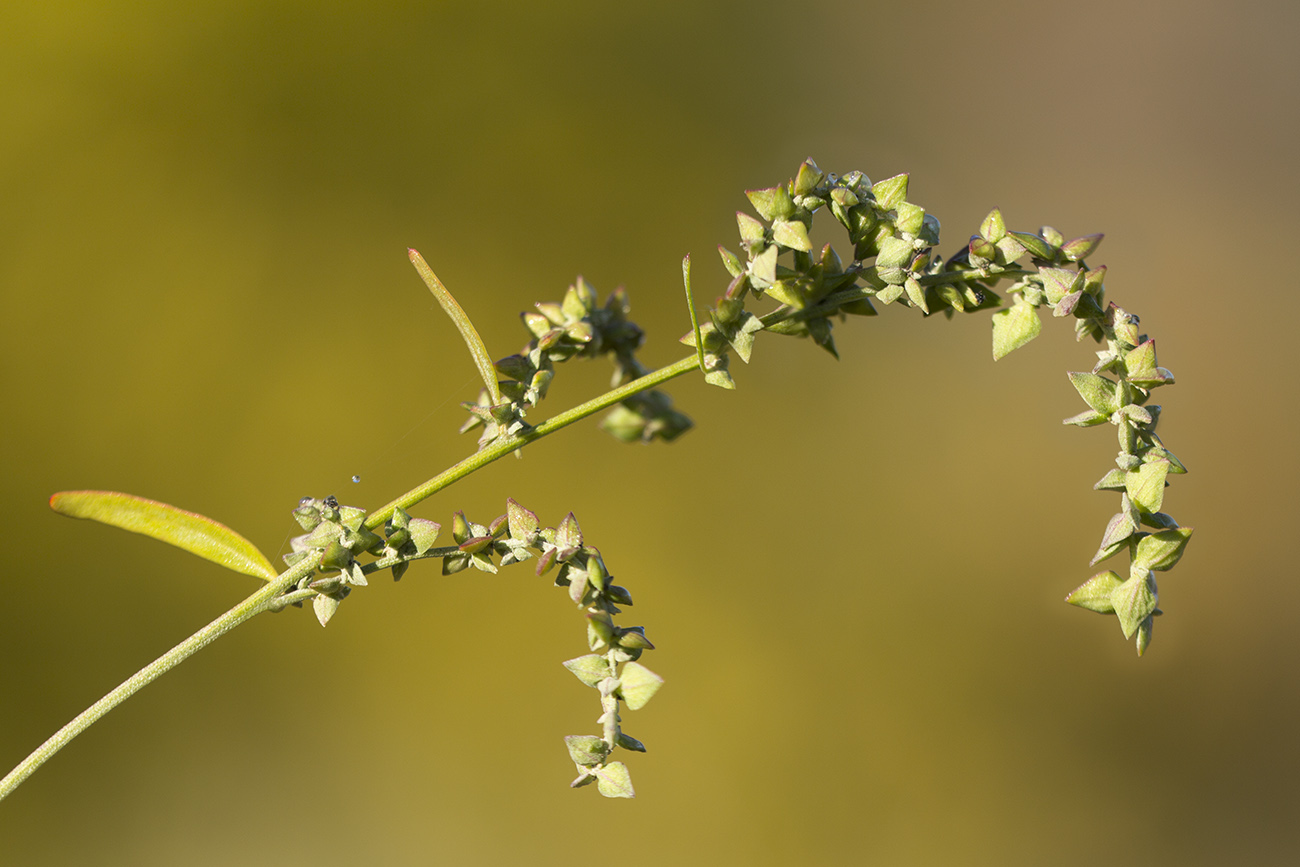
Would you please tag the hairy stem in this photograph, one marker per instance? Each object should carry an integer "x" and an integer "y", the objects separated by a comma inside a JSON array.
[
  {"x": 246, "y": 610},
  {"x": 500, "y": 449},
  {"x": 269, "y": 596}
]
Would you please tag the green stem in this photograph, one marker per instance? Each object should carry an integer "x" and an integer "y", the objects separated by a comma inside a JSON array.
[
  {"x": 503, "y": 447},
  {"x": 835, "y": 300},
  {"x": 249, "y": 608},
  {"x": 269, "y": 596}
]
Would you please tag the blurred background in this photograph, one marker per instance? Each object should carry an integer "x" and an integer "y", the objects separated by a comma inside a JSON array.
[{"x": 853, "y": 571}]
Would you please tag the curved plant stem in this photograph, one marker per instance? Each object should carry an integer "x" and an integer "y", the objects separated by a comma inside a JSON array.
[
  {"x": 246, "y": 610},
  {"x": 859, "y": 293},
  {"x": 268, "y": 597},
  {"x": 500, "y": 449}
]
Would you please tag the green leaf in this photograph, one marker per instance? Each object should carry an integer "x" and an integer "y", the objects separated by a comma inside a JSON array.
[
  {"x": 1095, "y": 593},
  {"x": 773, "y": 203},
  {"x": 808, "y": 178},
  {"x": 586, "y": 749},
  {"x": 890, "y": 294},
  {"x": 1112, "y": 481},
  {"x": 590, "y": 669},
  {"x": 1134, "y": 600},
  {"x": 730, "y": 261},
  {"x": 1010, "y": 248},
  {"x": 192, "y": 532},
  {"x": 1160, "y": 551},
  {"x": 751, "y": 231},
  {"x": 791, "y": 234},
  {"x": 741, "y": 337},
  {"x": 483, "y": 361},
  {"x": 890, "y": 191},
  {"x": 916, "y": 294},
  {"x": 568, "y": 534},
  {"x": 628, "y": 742},
  {"x": 1081, "y": 248},
  {"x": 1034, "y": 244},
  {"x": 1013, "y": 328},
  {"x": 1146, "y": 487},
  {"x": 762, "y": 268},
  {"x": 787, "y": 292},
  {"x": 614, "y": 781},
  {"x": 993, "y": 229},
  {"x": 1144, "y": 633},
  {"x": 423, "y": 533},
  {"x": 911, "y": 218},
  {"x": 1097, "y": 391},
  {"x": 720, "y": 377},
  {"x": 523, "y": 523},
  {"x": 1059, "y": 282},
  {"x": 1087, "y": 418},
  {"x": 638, "y": 685},
  {"x": 1151, "y": 378},
  {"x": 1141, "y": 358},
  {"x": 325, "y": 607},
  {"x": 1118, "y": 531},
  {"x": 894, "y": 253},
  {"x": 1175, "y": 466}
]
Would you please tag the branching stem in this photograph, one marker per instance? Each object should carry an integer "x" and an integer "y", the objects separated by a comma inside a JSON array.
[
  {"x": 269, "y": 597},
  {"x": 503, "y": 447}
]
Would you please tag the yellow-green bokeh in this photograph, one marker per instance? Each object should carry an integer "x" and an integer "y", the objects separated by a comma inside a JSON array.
[{"x": 852, "y": 570}]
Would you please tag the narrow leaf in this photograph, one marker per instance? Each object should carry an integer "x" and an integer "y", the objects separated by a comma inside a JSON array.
[
  {"x": 1095, "y": 593},
  {"x": 690, "y": 305},
  {"x": 1087, "y": 418},
  {"x": 192, "y": 532},
  {"x": 482, "y": 360},
  {"x": 1034, "y": 244},
  {"x": 1144, "y": 634}
]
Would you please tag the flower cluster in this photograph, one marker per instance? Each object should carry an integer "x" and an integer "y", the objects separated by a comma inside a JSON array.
[
  {"x": 892, "y": 243},
  {"x": 577, "y": 327},
  {"x": 611, "y": 667}
]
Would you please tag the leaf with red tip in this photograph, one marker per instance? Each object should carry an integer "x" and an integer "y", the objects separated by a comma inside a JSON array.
[{"x": 192, "y": 532}]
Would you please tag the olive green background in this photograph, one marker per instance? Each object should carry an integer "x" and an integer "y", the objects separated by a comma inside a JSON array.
[{"x": 853, "y": 571}]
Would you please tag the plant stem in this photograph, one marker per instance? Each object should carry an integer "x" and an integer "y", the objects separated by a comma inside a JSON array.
[
  {"x": 503, "y": 447},
  {"x": 250, "y": 607},
  {"x": 269, "y": 596},
  {"x": 858, "y": 293}
]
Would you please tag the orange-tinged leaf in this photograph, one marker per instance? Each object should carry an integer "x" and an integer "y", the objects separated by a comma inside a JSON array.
[{"x": 195, "y": 533}]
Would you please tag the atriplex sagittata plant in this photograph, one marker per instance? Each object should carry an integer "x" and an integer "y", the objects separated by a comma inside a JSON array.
[{"x": 805, "y": 293}]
